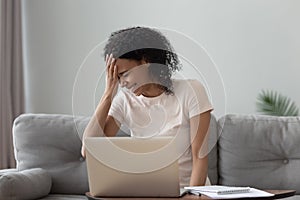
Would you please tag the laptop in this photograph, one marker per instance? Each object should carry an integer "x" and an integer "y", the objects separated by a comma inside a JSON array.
[{"x": 132, "y": 167}]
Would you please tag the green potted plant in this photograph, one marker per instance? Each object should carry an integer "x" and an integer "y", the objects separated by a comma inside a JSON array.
[{"x": 272, "y": 103}]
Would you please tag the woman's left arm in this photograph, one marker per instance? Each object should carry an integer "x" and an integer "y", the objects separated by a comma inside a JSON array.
[{"x": 199, "y": 125}]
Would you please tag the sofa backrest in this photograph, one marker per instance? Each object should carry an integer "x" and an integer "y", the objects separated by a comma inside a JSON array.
[
  {"x": 53, "y": 142},
  {"x": 259, "y": 151}
]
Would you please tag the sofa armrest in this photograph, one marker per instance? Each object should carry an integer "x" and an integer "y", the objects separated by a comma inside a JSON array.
[
  {"x": 3, "y": 171},
  {"x": 24, "y": 185}
]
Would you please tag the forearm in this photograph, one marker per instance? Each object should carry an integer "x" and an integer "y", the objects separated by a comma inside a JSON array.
[
  {"x": 100, "y": 119},
  {"x": 96, "y": 125},
  {"x": 199, "y": 171},
  {"x": 199, "y": 127}
]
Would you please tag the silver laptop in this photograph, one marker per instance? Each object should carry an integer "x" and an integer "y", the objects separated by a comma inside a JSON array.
[{"x": 132, "y": 167}]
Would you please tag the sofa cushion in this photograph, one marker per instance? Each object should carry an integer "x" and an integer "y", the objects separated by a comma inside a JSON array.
[
  {"x": 24, "y": 185},
  {"x": 52, "y": 142},
  {"x": 259, "y": 151}
]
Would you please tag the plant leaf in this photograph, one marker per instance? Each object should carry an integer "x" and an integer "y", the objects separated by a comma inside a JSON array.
[{"x": 273, "y": 103}]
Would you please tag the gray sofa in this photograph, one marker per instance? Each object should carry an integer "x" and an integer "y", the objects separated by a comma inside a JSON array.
[{"x": 246, "y": 150}]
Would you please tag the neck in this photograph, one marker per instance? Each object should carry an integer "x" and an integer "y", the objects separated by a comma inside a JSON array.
[{"x": 153, "y": 90}]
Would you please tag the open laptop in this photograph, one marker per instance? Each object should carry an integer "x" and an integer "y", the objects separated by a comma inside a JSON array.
[{"x": 132, "y": 167}]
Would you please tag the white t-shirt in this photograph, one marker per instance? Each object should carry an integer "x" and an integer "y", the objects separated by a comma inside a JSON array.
[{"x": 164, "y": 115}]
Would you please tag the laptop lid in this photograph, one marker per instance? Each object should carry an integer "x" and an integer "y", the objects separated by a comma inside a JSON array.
[{"x": 132, "y": 167}]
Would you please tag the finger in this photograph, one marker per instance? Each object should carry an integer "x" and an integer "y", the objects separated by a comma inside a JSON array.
[
  {"x": 111, "y": 68},
  {"x": 108, "y": 64},
  {"x": 115, "y": 75},
  {"x": 106, "y": 60},
  {"x": 83, "y": 151}
]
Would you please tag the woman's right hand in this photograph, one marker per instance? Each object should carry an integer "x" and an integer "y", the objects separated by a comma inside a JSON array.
[{"x": 112, "y": 80}]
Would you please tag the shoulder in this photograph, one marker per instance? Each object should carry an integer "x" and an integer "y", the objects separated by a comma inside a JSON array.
[{"x": 187, "y": 86}]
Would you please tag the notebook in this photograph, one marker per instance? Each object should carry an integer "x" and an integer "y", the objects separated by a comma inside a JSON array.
[
  {"x": 228, "y": 192},
  {"x": 132, "y": 167},
  {"x": 220, "y": 189}
]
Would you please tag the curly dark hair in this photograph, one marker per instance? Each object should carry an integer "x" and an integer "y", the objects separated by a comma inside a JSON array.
[{"x": 148, "y": 44}]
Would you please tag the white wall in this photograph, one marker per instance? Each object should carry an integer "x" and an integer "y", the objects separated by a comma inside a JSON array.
[{"x": 255, "y": 45}]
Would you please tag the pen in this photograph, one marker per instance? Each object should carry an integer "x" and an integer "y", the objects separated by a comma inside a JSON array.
[{"x": 194, "y": 192}]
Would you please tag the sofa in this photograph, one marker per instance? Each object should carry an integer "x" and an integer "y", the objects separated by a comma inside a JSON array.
[{"x": 245, "y": 150}]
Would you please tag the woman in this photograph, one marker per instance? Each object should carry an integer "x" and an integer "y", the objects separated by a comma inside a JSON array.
[{"x": 142, "y": 61}]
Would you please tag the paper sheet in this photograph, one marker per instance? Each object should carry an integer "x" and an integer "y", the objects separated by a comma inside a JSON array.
[{"x": 252, "y": 193}]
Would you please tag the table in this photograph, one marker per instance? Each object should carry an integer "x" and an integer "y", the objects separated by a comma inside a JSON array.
[{"x": 278, "y": 195}]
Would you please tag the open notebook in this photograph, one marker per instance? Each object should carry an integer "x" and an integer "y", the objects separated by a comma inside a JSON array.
[{"x": 228, "y": 192}]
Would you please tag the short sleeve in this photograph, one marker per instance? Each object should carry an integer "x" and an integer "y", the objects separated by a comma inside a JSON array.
[
  {"x": 198, "y": 101},
  {"x": 117, "y": 107}
]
